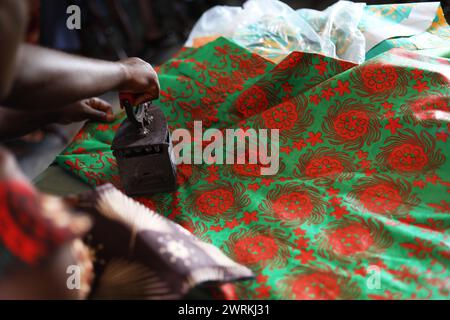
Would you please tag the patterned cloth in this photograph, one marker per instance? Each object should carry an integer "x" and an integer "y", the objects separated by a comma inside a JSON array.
[{"x": 360, "y": 206}]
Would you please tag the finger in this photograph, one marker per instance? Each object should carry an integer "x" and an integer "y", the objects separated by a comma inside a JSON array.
[
  {"x": 99, "y": 104},
  {"x": 154, "y": 76},
  {"x": 102, "y": 106},
  {"x": 154, "y": 86},
  {"x": 155, "y": 89},
  {"x": 94, "y": 114}
]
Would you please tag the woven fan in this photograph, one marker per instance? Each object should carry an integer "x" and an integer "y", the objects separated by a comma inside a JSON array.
[{"x": 140, "y": 254}]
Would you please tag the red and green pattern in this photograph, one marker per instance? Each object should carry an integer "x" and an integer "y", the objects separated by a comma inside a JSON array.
[{"x": 364, "y": 180}]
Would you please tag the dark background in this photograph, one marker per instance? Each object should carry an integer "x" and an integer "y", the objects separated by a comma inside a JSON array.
[{"x": 150, "y": 29}]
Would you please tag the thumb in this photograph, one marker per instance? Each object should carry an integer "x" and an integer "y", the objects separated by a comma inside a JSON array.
[{"x": 94, "y": 112}]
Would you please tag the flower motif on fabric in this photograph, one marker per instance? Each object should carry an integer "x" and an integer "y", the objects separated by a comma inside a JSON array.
[
  {"x": 252, "y": 249},
  {"x": 319, "y": 283},
  {"x": 296, "y": 65},
  {"x": 291, "y": 117},
  {"x": 177, "y": 250},
  {"x": 293, "y": 203},
  {"x": 291, "y": 61},
  {"x": 379, "y": 81},
  {"x": 248, "y": 66},
  {"x": 410, "y": 154},
  {"x": 252, "y": 101},
  {"x": 259, "y": 247},
  {"x": 381, "y": 194},
  {"x": 351, "y": 124},
  {"x": 195, "y": 112},
  {"x": 215, "y": 201},
  {"x": 189, "y": 174},
  {"x": 283, "y": 117},
  {"x": 378, "y": 78},
  {"x": 353, "y": 238},
  {"x": 218, "y": 201},
  {"x": 228, "y": 84},
  {"x": 324, "y": 166}
]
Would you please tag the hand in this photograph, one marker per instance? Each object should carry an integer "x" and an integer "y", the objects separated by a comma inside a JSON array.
[
  {"x": 90, "y": 109},
  {"x": 140, "y": 79}
]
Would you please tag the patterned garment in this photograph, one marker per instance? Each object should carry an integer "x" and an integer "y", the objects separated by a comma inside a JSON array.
[
  {"x": 360, "y": 207},
  {"x": 30, "y": 231},
  {"x": 150, "y": 257}
]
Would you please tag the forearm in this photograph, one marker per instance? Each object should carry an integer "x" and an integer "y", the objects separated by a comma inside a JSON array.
[
  {"x": 12, "y": 28},
  {"x": 50, "y": 79},
  {"x": 14, "y": 124}
]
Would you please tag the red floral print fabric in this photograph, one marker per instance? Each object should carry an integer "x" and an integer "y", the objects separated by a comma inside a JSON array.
[{"x": 363, "y": 187}]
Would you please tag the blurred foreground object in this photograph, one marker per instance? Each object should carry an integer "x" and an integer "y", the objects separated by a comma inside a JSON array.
[
  {"x": 130, "y": 251},
  {"x": 38, "y": 240},
  {"x": 140, "y": 254}
]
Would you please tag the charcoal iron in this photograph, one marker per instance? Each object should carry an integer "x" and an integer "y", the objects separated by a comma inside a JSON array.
[{"x": 143, "y": 149}]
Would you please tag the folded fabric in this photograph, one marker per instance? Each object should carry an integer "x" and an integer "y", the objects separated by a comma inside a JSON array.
[
  {"x": 272, "y": 29},
  {"x": 142, "y": 255},
  {"x": 345, "y": 30},
  {"x": 437, "y": 36},
  {"x": 381, "y": 22},
  {"x": 360, "y": 206}
]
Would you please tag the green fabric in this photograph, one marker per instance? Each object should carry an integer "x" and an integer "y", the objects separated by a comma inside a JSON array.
[{"x": 364, "y": 182}]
